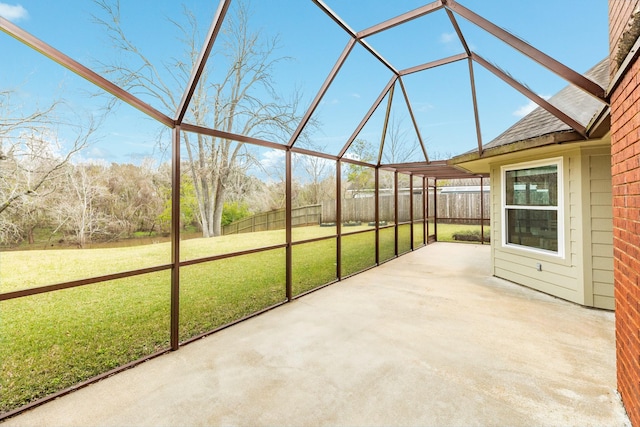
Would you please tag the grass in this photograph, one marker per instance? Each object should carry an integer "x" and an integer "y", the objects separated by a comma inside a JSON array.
[
  {"x": 358, "y": 252},
  {"x": 216, "y": 293},
  {"x": 404, "y": 238},
  {"x": 313, "y": 265},
  {"x": 52, "y": 341}
]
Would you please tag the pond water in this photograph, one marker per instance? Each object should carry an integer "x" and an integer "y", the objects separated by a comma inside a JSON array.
[{"x": 123, "y": 243}]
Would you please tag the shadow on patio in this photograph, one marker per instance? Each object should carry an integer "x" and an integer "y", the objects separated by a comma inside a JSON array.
[{"x": 427, "y": 339}]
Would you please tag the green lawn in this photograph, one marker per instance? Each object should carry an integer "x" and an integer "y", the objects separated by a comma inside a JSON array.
[{"x": 52, "y": 341}]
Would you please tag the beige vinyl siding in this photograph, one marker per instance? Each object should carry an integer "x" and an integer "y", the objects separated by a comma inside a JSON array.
[
  {"x": 584, "y": 272},
  {"x": 560, "y": 275},
  {"x": 575, "y": 247},
  {"x": 496, "y": 220},
  {"x": 601, "y": 228}
]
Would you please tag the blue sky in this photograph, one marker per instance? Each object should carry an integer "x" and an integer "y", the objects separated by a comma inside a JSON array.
[{"x": 573, "y": 31}]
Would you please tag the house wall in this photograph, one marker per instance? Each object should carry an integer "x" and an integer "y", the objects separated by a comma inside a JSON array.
[
  {"x": 625, "y": 150},
  {"x": 584, "y": 274},
  {"x": 559, "y": 276},
  {"x": 599, "y": 219},
  {"x": 620, "y": 12}
]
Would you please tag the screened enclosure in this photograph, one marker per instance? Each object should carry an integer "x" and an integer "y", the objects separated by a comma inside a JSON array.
[{"x": 171, "y": 169}]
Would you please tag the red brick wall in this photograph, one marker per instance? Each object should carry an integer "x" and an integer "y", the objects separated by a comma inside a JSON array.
[
  {"x": 619, "y": 13},
  {"x": 625, "y": 152}
]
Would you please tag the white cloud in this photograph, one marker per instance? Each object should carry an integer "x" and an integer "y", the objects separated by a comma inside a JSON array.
[
  {"x": 352, "y": 156},
  {"x": 423, "y": 107},
  {"x": 13, "y": 13},
  {"x": 355, "y": 95},
  {"x": 527, "y": 108},
  {"x": 95, "y": 156},
  {"x": 333, "y": 101},
  {"x": 272, "y": 159},
  {"x": 447, "y": 37}
]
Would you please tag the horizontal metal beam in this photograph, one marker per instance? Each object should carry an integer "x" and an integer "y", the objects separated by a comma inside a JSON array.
[
  {"x": 433, "y": 64},
  {"x": 231, "y": 255},
  {"x": 568, "y": 120},
  {"x": 434, "y": 169},
  {"x": 308, "y": 152},
  {"x": 401, "y": 19},
  {"x": 81, "y": 282},
  {"x": 541, "y": 58},
  {"x": 356, "y": 162},
  {"x": 231, "y": 136},
  {"x": 84, "y": 72}
]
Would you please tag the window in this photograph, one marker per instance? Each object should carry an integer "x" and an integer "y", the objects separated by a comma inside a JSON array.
[{"x": 532, "y": 201}]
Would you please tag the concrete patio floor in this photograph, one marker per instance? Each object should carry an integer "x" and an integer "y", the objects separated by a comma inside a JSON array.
[{"x": 427, "y": 339}]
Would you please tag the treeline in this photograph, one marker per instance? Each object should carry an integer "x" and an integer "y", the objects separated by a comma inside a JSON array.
[
  {"x": 89, "y": 202},
  {"x": 81, "y": 203}
]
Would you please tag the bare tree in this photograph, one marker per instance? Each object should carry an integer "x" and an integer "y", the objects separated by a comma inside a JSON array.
[
  {"x": 33, "y": 156},
  {"x": 81, "y": 209},
  {"x": 399, "y": 146},
  {"x": 134, "y": 197},
  {"x": 317, "y": 171},
  {"x": 234, "y": 102}
]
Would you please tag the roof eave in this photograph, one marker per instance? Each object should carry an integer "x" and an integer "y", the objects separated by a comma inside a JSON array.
[
  {"x": 601, "y": 123},
  {"x": 525, "y": 144}
]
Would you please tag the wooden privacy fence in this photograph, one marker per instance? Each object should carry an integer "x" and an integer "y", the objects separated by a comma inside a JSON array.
[
  {"x": 458, "y": 207},
  {"x": 275, "y": 220},
  {"x": 463, "y": 207},
  {"x": 453, "y": 207},
  {"x": 364, "y": 209}
]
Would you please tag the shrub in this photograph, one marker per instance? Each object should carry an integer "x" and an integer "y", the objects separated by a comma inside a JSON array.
[
  {"x": 234, "y": 211},
  {"x": 470, "y": 236}
]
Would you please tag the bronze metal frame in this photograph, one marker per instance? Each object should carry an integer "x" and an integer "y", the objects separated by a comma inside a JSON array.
[
  {"x": 427, "y": 170},
  {"x": 385, "y": 124},
  {"x": 376, "y": 195},
  {"x": 577, "y": 79},
  {"x": 413, "y": 120},
  {"x": 84, "y": 72},
  {"x": 323, "y": 89},
  {"x": 200, "y": 63},
  {"x": 388, "y": 89},
  {"x": 531, "y": 95},
  {"x": 411, "y": 209},
  {"x": 175, "y": 240}
]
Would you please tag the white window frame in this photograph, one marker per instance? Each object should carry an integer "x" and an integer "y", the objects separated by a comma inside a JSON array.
[{"x": 558, "y": 162}]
